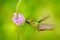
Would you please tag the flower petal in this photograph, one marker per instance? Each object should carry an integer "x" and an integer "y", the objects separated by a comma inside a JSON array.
[{"x": 18, "y": 21}]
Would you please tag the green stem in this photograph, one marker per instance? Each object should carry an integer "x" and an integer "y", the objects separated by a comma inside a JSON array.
[
  {"x": 18, "y": 5},
  {"x": 18, "y": 33}
]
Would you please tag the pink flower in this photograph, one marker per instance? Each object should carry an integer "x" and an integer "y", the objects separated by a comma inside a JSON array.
[{"x": 18, "y": 20}]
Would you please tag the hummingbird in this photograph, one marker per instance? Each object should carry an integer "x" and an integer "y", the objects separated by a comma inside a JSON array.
[{"x": 38, "y": 26}]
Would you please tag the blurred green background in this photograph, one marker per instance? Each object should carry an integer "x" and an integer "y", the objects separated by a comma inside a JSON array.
[{"x": 35, "y": 9}]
